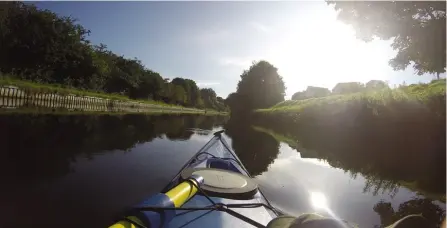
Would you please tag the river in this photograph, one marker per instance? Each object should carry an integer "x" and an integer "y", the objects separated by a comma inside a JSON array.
[{"x": 82, "y": 170}]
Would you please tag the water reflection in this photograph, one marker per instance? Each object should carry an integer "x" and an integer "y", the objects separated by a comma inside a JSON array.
[
  {"x": 44, "y": 145},
  {"x": 291, "y": 181},
  {"x": 255, "y": 149},
  {"x": 75, "y": 170},
  {"x": 428, "y": 209},
  {"x": 303, "y": 181},
  {"x": 389, "y": 154}
]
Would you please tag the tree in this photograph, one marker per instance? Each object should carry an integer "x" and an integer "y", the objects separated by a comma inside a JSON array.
[
  {"x": 232, "y": 102},
  {"x": 149, "y": 85},
  {"x": 192, "y": 90},
  {"x": 299, "y": 96},
  {"x": 209, "y": 98},
  {"x": 260, "y": 87},
  {"x": 179, "y": 94},
  {"x": 376, "y": 85},
  {"x": 221, "y": 104},
  {"x": 311, "y": 92},
  {"x": 40, "y": 46},
  {"x": 348, "y": 87},
  {"x": 418, "y": 29}
]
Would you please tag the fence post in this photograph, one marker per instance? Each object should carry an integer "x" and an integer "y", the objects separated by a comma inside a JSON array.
[
  {"x": 51, "y": 99},
  {"x": 16, "y": 97},
  {"x": 36, "y": 99},
  {"x": 12, "y": 97},
  {"x": 2, "y": 91},
  {"x": 7, "y": 98}
]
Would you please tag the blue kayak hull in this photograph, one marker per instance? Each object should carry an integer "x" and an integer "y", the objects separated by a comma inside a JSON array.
[{"x": 216, "y": 154}]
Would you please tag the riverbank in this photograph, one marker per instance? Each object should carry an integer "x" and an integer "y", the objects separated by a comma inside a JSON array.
[
  {"x": 24, "y": 96},
  {"x": 430, "y": 95},
  {"x": 396, "y": 134}
]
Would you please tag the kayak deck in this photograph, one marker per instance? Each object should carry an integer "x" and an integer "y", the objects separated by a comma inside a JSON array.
[
  {"x": 219, "y": 219},
  {"x": 208, "y": 157},
  {"x": 213, "y": 189}
]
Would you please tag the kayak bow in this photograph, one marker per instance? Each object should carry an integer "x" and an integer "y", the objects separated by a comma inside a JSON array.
[
  {"x": 176, "y": 197},
  {"x": 212, "y": 189}
]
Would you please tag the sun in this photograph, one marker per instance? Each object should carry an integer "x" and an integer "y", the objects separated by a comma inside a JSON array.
[{"x": 327, "y": 53}]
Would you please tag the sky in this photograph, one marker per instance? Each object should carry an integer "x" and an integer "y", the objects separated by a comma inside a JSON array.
[{"x": 213, "y": 42}]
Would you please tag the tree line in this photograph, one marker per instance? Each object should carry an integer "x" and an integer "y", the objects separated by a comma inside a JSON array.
[{"x": 43, "y": 47}]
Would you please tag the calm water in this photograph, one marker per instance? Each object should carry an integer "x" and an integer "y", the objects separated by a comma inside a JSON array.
[{"x": 83, "y": 170}]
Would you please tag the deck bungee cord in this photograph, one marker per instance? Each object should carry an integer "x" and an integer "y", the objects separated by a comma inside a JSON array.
[
  {"x": 213, "y": 206},
  {"x": 219, "y": 179}
]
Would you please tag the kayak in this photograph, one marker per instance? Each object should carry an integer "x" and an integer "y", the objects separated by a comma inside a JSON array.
[{"x": 212, "y": 189}]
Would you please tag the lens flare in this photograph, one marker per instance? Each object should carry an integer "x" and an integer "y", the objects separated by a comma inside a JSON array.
[{"x": 318, "y": 200}]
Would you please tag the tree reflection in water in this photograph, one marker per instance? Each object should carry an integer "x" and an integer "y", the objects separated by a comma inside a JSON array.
[
  {"x": 427, "y": 208},
  {"x": 43, "y": 146}
]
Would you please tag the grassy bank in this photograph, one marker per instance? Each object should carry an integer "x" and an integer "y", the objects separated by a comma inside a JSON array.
[
  {"x": 428, "y": 95},
  {"x": 64, "y": 90},
  {"x": 63, "y": 111},
  {"x": 32, "y": 87},
  {"x": 394, "y": 134}
]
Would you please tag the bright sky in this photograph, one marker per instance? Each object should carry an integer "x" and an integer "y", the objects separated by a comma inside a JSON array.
[{"x": 213, "y": 42}]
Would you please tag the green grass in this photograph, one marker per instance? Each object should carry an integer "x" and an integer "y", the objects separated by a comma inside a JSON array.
[
  {"x": 63, "y": 90},
  {"x": 418, "y": 93},
  {"x": 63, "y": 111},
  {"x": 33, "y": 87}
]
